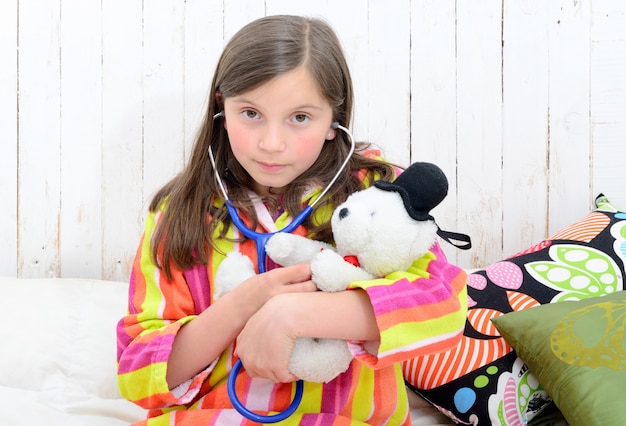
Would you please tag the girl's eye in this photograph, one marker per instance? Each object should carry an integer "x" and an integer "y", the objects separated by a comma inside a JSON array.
[
  {"x": 250, "y": 114},
  {"x": 300, "y": 118}
]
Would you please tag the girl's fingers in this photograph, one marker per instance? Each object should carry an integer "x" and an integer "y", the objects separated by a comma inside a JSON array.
[{"x": 292, "y": 274}]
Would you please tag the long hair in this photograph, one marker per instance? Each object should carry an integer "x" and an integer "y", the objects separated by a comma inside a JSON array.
[{"x": 260, "y": 51}]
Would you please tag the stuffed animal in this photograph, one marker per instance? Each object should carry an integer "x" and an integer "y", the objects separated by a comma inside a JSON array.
[{"x": 379, "y": 230}]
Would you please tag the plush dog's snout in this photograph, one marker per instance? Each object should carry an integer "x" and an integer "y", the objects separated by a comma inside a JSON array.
[{"x": 343, "y": 213}]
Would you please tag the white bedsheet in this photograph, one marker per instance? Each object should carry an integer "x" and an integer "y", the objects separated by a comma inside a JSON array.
[{"x": 58, "y": 355}]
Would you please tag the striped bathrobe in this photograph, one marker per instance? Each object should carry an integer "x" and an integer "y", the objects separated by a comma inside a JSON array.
[{"x": 418, "y": 311}]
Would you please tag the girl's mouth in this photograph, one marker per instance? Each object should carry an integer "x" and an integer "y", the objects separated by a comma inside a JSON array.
[{"x": 270, "y": 167}]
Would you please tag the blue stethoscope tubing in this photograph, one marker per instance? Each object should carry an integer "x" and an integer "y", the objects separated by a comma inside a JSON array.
[
  {"x": 259, "y": 418},
  {"x": 260, "y": 240}
]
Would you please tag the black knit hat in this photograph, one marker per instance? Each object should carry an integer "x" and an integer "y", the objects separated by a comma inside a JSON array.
[{"x": 422, "y": 187}]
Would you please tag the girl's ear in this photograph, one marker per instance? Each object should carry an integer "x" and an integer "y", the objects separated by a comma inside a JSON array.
[
  {"x": 332, "y": 133},
  {"x": 219, "y": 100}
]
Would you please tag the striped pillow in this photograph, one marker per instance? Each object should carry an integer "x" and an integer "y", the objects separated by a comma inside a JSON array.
[{"x": 483, "y": 381}]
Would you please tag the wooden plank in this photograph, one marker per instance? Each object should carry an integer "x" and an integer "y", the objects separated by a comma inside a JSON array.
[
  {"x": 238, "y": 13},
  {"x": 204, "y": 29},
  {"x": 569, "y": 90},
  {"x": 608, "y": 21},
  {"x": 608, "y": 80},
  {"x": 350, "y": 22},
  {"x": 608, "y": 99},
  {"x": 525, "y": 124},
  {"x": 479, "y": 129},
  {"x": 433, "y": 101},
  {"x": 609, "y": 152},
  {"x": 39, "y": 139},
  {"x": 8, "y": 136},
  {"x": 319, "y": 9},
  {"x": 122, "y": 180},
  {"x": 608, "y": 115},
  {"x": 389, "y": 59},
  {"x": 163, "y": 93},
  {"x": 81, "y": 141}
]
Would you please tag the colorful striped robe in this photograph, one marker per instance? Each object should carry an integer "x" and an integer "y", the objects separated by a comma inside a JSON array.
[{"x": 418, "y": 311}]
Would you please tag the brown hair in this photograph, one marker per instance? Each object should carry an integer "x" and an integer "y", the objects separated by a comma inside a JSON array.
[{"x": 259, "y": 52}]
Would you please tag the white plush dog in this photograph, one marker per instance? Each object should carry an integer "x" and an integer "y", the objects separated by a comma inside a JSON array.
[{"x": 379, "y": 230}]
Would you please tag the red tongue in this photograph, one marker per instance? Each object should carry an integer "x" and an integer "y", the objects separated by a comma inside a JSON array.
[{"x": 352, "y": 260}]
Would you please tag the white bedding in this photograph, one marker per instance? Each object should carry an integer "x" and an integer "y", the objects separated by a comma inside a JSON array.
[{"x": 58, "y": 355}]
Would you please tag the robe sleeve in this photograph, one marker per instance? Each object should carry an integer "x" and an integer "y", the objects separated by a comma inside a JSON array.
[{"x": 418, "y": 311}]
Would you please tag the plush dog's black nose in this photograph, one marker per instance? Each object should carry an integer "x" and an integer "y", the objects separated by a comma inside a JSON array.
[{"x": 343, "y": 213}]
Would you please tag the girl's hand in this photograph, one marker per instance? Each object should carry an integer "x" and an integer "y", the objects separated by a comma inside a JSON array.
[
  {"x": 266, "y": 342},
  {"x": 259, "y": 289}
]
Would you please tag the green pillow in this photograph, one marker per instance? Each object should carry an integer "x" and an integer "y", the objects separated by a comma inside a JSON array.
[{"x": 577, "y": 351}]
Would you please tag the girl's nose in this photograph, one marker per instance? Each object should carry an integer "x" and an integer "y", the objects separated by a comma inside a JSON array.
[{"x": 273, "y": 138}]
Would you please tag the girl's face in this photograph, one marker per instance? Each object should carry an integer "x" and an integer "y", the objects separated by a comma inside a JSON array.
[{"x": 277, "y": 130}]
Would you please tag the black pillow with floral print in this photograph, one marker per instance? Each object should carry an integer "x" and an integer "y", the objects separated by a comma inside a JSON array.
[{"x": 483, "y": 381}]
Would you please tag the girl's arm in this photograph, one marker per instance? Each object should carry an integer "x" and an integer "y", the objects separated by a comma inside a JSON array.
[
  {"x": 388, "y": 320},
  {"x": 202, "y": 340},
  {"x": 152, "y": 357}
]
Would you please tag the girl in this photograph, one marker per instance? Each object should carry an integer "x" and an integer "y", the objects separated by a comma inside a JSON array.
[{"x": 279, "y": 86}]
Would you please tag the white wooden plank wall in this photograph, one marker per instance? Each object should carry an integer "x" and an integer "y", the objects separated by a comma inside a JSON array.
[
  {"x": 521, "y": 102},
  {"x": 8, "y": 139}
]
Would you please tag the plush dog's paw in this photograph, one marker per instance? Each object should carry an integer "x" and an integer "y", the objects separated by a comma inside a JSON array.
[
  {"x": 319, "y": 360},
  {"x": 330, "y": 272},
  {"x": 289, "y": 249},
  {"x": 234, "y": 269}
]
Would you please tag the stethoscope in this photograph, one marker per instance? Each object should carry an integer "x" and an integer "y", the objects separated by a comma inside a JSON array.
[{"x": 260, "y": 240}]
